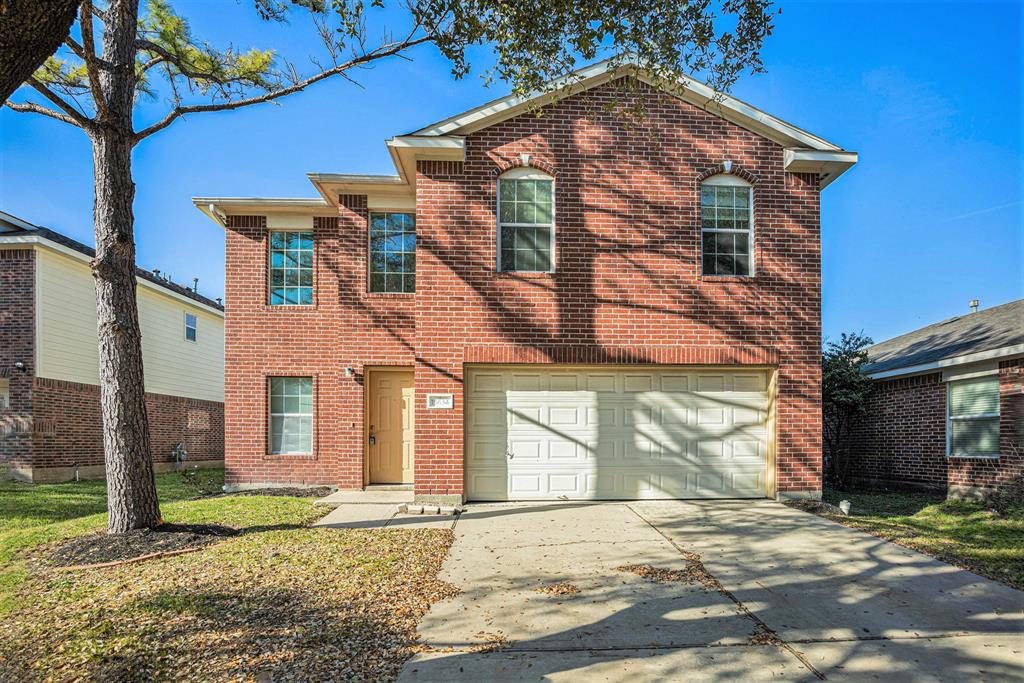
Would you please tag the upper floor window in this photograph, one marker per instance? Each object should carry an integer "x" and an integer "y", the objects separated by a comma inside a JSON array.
[
  {"x": 392, "y": 252},
  {"x": 291, "y": 268},
  {"x": 190, "y": 327},
  {"x": 727, "y": 226},
  {"x": 972, "y": 410},
  {"x": 526, "y": 231}
]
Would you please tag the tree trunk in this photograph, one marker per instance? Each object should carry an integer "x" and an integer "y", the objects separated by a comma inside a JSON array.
[
  {"x": 131, "y": 490},
  {"x": 30, "y": 31}
]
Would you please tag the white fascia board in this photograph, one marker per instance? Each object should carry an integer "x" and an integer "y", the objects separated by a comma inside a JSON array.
[
  {"x": 41, "y": 242},
  {"x": 218, "y": 208},
  {"x": 828, "y": 164},
  {"x": 688, "y": 89},
  {"x": 991, "y": 354}
]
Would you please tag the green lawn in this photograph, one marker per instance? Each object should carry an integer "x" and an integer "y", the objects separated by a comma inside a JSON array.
[
  {"x": 280, "y": 601},
  {"x": 966, "y": 534}
]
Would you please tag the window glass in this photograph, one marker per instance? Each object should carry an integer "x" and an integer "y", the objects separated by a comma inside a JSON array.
[
  {"x": 291, "y": 268},
  {"x": 291, "y": 415},
  {"x": 525, "y": 224},
  {"x": 5, "y": 394},
  {"x": 392, "y": 252},
  {"x": 726, "y": 230},
  {"x": 190, "y": 327},
  {"x": 973, "y": 412}
]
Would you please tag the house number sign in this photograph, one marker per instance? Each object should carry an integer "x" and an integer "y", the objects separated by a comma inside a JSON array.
[{"x": 440, "y": 401}]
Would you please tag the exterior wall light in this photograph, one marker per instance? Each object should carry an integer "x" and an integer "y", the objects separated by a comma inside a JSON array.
[
  {"x": 20, "y": 366},
  {"x": 350, "y": 371}
]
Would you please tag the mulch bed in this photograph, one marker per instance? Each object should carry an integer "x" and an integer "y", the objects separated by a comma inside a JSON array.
[
  {"x": 291, "y": 491},
  {"x": 103, "y": 547},
  {"x": 817, "y": 507}
]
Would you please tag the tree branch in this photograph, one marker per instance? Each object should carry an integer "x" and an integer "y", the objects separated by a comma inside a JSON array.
[
  {"x": 33, "y": 108},
  {"x": 80, "y": 119},
  {"x": 379, "y": 53},
  {"x": 92, "y": 67},
  {"x": 164, "y": 55}
]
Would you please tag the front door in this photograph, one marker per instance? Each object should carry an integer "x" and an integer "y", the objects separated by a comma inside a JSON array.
[{"x": 390, "y": 426}]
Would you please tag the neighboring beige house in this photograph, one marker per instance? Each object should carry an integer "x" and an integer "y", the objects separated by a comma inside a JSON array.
[{"x": 50, "y": 425}]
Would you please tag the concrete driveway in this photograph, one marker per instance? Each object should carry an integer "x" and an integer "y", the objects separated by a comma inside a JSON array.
[{"x": 787, "y": 595}]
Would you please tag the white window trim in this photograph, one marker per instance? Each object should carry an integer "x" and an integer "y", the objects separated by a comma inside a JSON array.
[
  {"x": 270, "y": 266},
  {"x": 727, "y": 180},
  {"x": 965, "y": 418},
  {"x": 271, "y": 415},
  {"x": 526, "y": 173},
  {"x": 369, "y": 247},
  {"x": 194, "y": 327}
]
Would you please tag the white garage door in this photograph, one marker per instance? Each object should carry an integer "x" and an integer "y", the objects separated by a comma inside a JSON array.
[{"x": 619, "y": 433}]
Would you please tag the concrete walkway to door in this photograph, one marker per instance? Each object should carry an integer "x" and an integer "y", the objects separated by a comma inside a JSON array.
[{"x": 793, "y": 597}]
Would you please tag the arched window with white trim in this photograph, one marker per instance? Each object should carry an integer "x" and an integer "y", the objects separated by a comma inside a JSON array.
[
  {"x": 526, "y": 228},
  {"x": 727, "y": 226}
]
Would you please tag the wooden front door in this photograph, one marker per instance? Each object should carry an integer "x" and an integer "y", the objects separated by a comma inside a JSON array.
[{"x": 390, "y": 426}]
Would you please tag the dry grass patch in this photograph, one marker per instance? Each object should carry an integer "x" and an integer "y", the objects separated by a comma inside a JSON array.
[{"x": 309, "y": 604}]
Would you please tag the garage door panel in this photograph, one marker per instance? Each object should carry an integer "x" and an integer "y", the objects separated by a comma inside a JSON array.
[{"x": 615, "y": 434}]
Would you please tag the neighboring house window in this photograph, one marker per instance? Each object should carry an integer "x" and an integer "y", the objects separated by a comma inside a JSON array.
[
  {"x": 973, "y": 417},
  {"x": 392, "y": 252},
  {"x": 5, "y": 394},
  {"x": 526, "y": 231},
  {"x": 291, "y": 268},
  {"x": 190, "y": 327},
  {"x": 727, "y": 226},
  {"x": 291, "y": 415}
]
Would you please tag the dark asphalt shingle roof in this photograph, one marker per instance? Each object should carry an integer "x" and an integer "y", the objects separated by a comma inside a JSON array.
[
  {"x": 991, "y": 328},
  {"x": 66, "y": 241}
]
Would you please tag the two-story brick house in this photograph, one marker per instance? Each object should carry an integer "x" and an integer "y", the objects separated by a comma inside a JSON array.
[{"x": 572, "y": 305}]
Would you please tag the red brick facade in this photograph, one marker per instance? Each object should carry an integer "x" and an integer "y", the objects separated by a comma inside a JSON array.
[
  {"x": 627, "y": 288},
  {"x": 901, "y": 441},
  {"x": 53, "y": 425},
  {"x": 17, "y": 342}
]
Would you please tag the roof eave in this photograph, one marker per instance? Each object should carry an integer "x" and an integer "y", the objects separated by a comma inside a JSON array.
[
  {"x": 1001, "y": 353},
  {"x": 829, "y": 165}
]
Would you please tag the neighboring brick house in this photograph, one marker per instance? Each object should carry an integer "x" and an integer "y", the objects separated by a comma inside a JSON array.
[
  {"x": 947, "y": 408},
  {"x": 50, "y": 424},
  {"x": 533, "y": 307}
]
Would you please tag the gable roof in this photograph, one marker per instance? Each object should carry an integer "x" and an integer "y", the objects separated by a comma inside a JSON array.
[
  {"x": 444, "y": 140},
  {"x": 688, "y": 89},
  {"x": 996, "y": 332},
  {"x": 18, "y": 230}
]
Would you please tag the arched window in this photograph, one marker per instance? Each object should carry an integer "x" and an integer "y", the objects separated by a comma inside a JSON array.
[
  {"x": 526, "y": 229},
  {"x": 727, "y": 226}
]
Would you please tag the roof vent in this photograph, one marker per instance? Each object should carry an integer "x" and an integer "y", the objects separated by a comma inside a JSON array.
[{"x": 974, "y": 305}]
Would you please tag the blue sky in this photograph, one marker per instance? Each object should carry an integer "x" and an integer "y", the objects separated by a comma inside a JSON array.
[{"x": 928, "y": 93}]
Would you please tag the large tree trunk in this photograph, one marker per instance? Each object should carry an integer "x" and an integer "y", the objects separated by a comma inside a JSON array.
[
  {"x": 30, "y": 31},
  {"x": 131, "y": 490}
]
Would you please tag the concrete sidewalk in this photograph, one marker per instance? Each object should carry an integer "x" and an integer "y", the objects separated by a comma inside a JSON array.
[{"x": 835, "y": 602}]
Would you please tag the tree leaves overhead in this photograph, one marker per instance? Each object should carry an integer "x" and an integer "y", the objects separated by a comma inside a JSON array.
[
  {"x": 536, "y": 41},
  {"x": 533, "y": 42}
]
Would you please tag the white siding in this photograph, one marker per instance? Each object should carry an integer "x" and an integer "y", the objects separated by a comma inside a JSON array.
[{"x": 66, "y": 333}]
